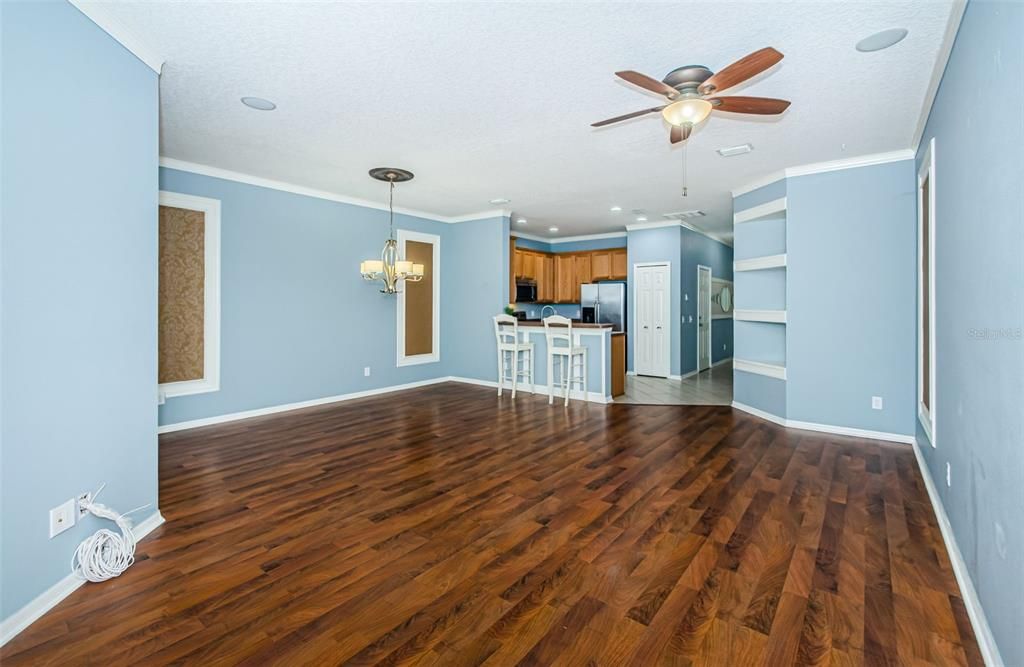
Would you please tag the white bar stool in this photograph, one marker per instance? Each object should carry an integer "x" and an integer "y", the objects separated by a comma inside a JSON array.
[
  {"x": 558, "y": 332},
  {"x": 518, "y": 353}
]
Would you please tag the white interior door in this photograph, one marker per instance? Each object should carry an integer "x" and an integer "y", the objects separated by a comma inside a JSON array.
[
  {"x": 652, "y": 352},
  {"x": 703, "y": 318}
]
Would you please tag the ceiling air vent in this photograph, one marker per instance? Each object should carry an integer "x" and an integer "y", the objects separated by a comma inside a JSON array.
[{"x": 683, "y": 215}]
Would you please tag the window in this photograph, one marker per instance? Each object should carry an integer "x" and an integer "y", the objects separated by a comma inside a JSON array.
[
  {"x": 189, "y": 295},
  {"x": 419, "y": 303},
  {"x": 926, "y": 292}
]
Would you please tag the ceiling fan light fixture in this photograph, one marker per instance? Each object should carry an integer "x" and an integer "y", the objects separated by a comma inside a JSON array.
[{"x": 689, "y": 111}]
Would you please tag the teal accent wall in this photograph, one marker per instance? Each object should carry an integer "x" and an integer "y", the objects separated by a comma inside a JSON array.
[{"x": 78, "y": 284}]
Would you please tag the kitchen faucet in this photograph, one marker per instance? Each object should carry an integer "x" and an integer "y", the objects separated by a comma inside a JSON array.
[{"x": 553, "y": 311}]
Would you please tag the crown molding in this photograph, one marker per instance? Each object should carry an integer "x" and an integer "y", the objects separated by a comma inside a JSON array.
[
  {"x": 641, "y": 226},
  {"x": 569, "y": 239},
  {"x": 99, "y": 13},
  {"x": 830, "y": 165},
  {"x": 956, "y": 15},
  {"x": 259, "y": 181}
]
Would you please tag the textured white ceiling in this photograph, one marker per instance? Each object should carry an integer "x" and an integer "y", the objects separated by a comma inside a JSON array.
[{"x": 494, "y": 99}]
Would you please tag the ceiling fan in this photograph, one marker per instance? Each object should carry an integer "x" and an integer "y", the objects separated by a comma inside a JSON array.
[{"x": 689, "y": 88}]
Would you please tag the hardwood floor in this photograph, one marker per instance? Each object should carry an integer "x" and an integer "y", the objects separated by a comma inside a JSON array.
[{"x": 445, "y": 526}]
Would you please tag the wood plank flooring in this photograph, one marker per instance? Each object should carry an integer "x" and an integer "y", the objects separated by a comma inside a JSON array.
[{"x": 446, "y": 526}]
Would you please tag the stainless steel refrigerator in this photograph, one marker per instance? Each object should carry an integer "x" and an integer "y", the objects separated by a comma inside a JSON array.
[{"x": 604, "y": 303}]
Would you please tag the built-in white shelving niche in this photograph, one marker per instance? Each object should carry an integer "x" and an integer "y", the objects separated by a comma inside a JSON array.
[
  {"x": 761, "y": 368},
  {"x": 760, "y": 263},
  {"x": 773, "y": 209},
  {"x": 777, "y": 316}
]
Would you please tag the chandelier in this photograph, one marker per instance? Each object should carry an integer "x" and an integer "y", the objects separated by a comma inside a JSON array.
[{"x": 389, "y": 269}]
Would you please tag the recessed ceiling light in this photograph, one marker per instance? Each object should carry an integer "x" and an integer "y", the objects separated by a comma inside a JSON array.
[
  {"x": 500, "y": 200},
  {"x": 258, "y": 103},
  {"x": 642, "y": 218},
  {"x": 520, "y": 221},
  {"x": 882, "y": 40},
  {"x": 615, "y": 209},
  {"x": 735, "y": 150},
  {"x": 552, "y": 229}
]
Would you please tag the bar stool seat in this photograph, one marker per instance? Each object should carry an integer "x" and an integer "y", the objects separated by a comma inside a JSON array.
[
  {"x": 515, "y": 357},
  {"x": 572, "y": 358}
]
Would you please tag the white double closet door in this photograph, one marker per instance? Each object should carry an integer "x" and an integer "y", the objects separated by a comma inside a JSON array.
[{"x": 652, "y": 349}]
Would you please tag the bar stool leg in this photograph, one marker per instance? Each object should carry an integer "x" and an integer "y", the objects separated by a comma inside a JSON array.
[
  {"x": 567, "y": 376},
  {"x": 515, "y": 370},
  {"x": 551, "y": 378},
  {"x": 501, "y": 370}
]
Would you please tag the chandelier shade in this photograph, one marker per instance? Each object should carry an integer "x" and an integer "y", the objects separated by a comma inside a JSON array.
[{"x": 389, "y": 269}]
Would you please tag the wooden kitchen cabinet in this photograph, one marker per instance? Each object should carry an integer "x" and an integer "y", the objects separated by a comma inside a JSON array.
[
  {"x": 619, "y": 264},
  {"x": 581, "y": 265},
  {"x": 601, "y": 265},
  {"x": 546, "y": 279},
  {"x": 566, "y": 286}
]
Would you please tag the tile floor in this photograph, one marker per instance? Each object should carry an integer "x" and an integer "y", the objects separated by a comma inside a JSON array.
[{"x": 710, "y": 387}]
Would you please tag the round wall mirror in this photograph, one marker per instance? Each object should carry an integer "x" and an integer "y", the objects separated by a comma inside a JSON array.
[{"x": 725, "y": 299}]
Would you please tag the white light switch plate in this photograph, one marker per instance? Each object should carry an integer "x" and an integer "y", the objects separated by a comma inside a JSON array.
[
  {"x": 876, "y": 402},
  {"x": 366, "y": 372},
  {"x": 62, "y": 517}
]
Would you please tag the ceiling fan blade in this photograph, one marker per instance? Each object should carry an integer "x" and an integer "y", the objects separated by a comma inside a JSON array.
[
  {"x": 602, "y": 123},
  {"x": 644, "y": 81},
  {"x": 741, "y": 70},
  {"x": 759, "y": 105},
  {"x": 680, "y": 133}
]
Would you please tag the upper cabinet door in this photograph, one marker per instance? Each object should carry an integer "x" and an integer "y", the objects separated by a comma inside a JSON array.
[
  {"x": 619, "y": 264},
  {"x": 518, "y": 263},
  {"x": 565, "y": 279},
  {"x": 601, "y": 265},
  {"x": 582, "y": 264}
]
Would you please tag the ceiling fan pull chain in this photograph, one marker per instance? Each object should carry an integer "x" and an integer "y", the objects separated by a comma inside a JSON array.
[{"x": 684, "y": 168}]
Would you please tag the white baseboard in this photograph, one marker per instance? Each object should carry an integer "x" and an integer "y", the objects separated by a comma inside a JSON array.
[
  {"x": 721, "y": 361},
  {"x": 826, "y": 428},
  {"x": 982, "y": 631},
  {"x": 273, "y": 409},
  {"x": 591, "y": 397},
  {"x": 51, "y": 597}
]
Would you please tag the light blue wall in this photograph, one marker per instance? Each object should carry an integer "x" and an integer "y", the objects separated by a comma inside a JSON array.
[
  {"x": 660, "y": 244},
  {"x": 530, "y": 244},
  {"x": 590, "y": 244},
  {"x": 979, "y": 273},
  {"x": 79, "y": 285},
  {"x": 761, "y": 195},
  {"x": 697, "y": 249},
  {"x": 850, "y": 333},
  {"x": 297, "y": 320}
]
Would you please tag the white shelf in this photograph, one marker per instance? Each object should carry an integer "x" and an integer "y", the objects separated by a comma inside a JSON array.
[
  {"x": 770, "y": 209},
  {"x": 761, "y": 368},
  {"x": 778, "y": 316},
  {"x": 759, "y": 263}
]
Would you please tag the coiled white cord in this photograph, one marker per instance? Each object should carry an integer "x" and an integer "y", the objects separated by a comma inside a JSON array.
[{"x": 105, "y": 554}]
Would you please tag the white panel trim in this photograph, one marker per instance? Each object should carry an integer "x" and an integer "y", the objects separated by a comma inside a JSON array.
[
  {"x": 925, "y": 416},
  {"x": 830, "y": 165},
  {"x": 51, "y": 597},
  {"x": 777, "y": 316},
  {"x": 259, "y": 181},
  {"x": 760, "y": 368},
  {"x": 761, "y": 211},
  {"x": 956, "y": 15},
  {"x": 826, "y": 428},
  {"x": 982, "y": 631},
  {"x": 759, "y": 263},
  {"x": 435, "y": 354},
  {"x": 99, "y": 13},
  {"x": 211, "y": 296}
]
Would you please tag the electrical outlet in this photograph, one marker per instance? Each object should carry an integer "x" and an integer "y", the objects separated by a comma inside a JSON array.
[
  {"x": 876, "y": 402},
  {"x": 949, "y": 474},
  {"x": 366, "y": 372},
  {"x": 723, "y": 346},
  {"x": 83, "y": 499},
  {"x": 1000, "y": 540},
  {"x": 62, "y": 517}
]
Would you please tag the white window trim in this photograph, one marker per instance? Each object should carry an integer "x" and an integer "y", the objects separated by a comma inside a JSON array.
[
  {"x": 211, "y": 295},
  {"x": 405, "y": 235},
  {"x": 924, "y": 415}
]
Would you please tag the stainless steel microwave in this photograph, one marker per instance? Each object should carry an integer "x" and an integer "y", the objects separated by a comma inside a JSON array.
[{"x": 526, "y": 291}]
